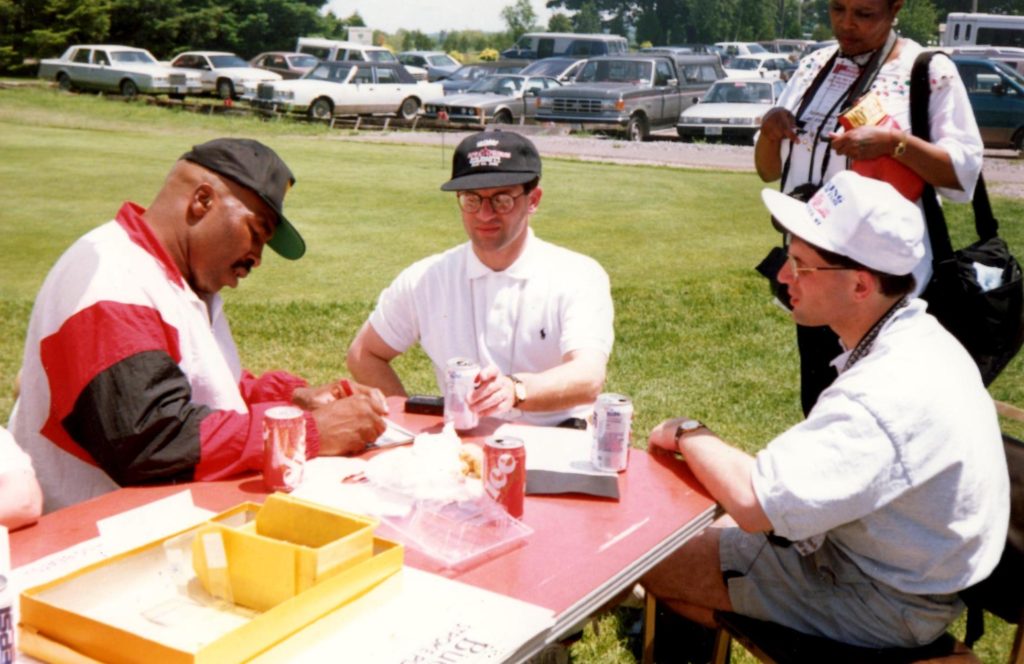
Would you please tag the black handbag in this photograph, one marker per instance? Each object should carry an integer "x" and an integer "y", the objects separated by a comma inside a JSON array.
[{"x": 987, "y": 320}]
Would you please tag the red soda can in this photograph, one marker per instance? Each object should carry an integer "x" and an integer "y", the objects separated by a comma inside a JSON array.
[
  {"x": 460, "y": 378},
  {"x": 504, "y": 472},
  {"x": 284, "y": 447}
]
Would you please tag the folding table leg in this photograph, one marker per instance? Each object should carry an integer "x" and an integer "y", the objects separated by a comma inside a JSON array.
[{"x": 650, "y": 613}]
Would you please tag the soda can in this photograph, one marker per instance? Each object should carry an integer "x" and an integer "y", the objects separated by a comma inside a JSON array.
[
  {"x": 613, "y": 423},
  {"x": 460, "y": 378},
  {"x": 7, "y": 651},
  {"x": 284, "y": 447},
  {"x": 504, "y": 472}
]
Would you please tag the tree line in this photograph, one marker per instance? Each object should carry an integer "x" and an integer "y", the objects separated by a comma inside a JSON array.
[{"x": 33, "y": 29}]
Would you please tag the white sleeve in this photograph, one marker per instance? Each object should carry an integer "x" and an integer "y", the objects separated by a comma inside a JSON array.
[
  {"x": 395, "y": 318},
  {"x": 834, "y": 467},
  {"x": 12, "y": 457},
  {"x": 588, "y": 313},
  {"x": 954, "y": 128}
]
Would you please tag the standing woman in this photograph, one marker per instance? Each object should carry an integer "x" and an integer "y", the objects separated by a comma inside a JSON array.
[{"x": 802, "y": 142}]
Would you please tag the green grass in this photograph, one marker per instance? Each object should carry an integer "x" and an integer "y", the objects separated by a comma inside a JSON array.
[{"x": 696, "y": 333}]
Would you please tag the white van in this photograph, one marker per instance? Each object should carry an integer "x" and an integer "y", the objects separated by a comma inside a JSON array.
[
  {"x": 537, "y": 45},
  {"x": 967, "y": 29},
  {"x": 332, "y": 49}
]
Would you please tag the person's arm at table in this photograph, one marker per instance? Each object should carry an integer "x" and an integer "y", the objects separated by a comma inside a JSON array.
[
  {"x": 724, "y": 470},
  {"x": 369, "y": 361},
  {"x": 577, "y": 380},
  {"x": 21, "y": 499}
]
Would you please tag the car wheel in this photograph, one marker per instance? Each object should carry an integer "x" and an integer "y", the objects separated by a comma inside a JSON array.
[
  {"x": 129, "y": 89},
  {"x": 1018, "y": 141},
  {"x": 636, "y": 129},
  {"x": 409, "y": 108},
  {"x": 321, "y": 109},
  {"x": 225, "y": 89},
  {"x": 64, "y": 82},
  {"x": 503, "y": 117},
  {"x": 682, "y": 135}
]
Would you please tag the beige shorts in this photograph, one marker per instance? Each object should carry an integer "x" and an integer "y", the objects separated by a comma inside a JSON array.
[{"x": 826, "y": 594}]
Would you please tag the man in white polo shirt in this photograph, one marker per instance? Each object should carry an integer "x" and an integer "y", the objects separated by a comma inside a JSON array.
[
  {"x": 892, "y": 496},
  {"x": 536, "y": 317}
]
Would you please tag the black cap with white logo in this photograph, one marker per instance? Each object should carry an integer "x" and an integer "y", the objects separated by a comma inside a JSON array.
[{"x": 490, "y": 159}]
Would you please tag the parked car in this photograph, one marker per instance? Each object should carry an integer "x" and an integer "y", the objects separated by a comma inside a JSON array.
[
  {"x": 501, "y": 99},
  {"x": 731, "y": 109},
  {"x": 437, "y": 63},
  {"x": 349, "y": 88},
  {"x": 288, "y": 65},
  {"x": 222, "y": 74},
  {"x": 1011, "y": 56},
  {"x": 466, "y": 75},
  {"x": 814, "y": 46},
  {"x": 633, "y": 94},
  {"x": 121, "y": 69},
  {"x": 761, "y": 65},
  {"x": 537, "y": 45},
  {"x": 331, "y": 49},
  {"x": 562, "y": 69},
  {"x": 996, "y": 92}
]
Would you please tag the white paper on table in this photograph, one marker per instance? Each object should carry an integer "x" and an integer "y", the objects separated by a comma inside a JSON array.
[
  {"x": 395, "y": 434},
  {"x": 415, "y": 616},
  {"x": 152, "y": 521},
  {"x": 322, "y": 483},
  {"x": 558, "y": 461}
]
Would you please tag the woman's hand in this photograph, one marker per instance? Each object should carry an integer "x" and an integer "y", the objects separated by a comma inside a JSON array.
[{"x": 864, "y": 142}]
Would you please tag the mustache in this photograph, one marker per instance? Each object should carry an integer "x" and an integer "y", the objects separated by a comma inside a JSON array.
[{"x": 247, "y": 264}]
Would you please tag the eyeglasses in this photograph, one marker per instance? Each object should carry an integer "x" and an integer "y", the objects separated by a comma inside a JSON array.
[
  {"x": 500, "y": 203},
  {"x": 795, "y": 268}
]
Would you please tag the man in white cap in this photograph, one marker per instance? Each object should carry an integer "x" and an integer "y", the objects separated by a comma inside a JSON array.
[
  {"x": 862, "y": 522},
  {"x": 536, "y": 317}
]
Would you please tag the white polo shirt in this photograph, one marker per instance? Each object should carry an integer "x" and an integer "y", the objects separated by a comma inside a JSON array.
[{"x": 550, "y": 302}]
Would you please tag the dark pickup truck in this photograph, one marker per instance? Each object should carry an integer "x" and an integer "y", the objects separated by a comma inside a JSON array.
[{"x": 633, "y": 94}]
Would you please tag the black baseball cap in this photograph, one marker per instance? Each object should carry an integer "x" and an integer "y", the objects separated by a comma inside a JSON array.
[
  {"x": 256, "y": 167},
  {"x": 491, "y": 159}
]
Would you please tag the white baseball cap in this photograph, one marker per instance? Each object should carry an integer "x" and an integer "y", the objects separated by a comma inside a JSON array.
[{"x": 861, "y": 218}]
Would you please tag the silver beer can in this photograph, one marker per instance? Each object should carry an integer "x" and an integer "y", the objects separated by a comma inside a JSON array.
[
  {"x": 460, "y": 378},
  {"x": 613, "y": 424},
  {"x": 7, "y": 651}
]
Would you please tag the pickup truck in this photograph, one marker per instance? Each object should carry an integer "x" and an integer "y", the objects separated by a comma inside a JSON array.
[
  {"x": 634, "y": 94},
  {"x": 121, "y": 69}
]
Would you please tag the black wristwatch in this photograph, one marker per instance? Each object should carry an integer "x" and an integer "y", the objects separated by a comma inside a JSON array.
[{"x": 686, "y": 426}]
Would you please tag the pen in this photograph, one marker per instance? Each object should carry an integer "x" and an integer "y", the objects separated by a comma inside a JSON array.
[{"x": 346, "y": 387}]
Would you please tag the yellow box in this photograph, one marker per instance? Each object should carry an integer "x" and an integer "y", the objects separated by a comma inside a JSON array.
[
  {"x": 131, "y": 608},
  {"x": 290, "y": 546}
]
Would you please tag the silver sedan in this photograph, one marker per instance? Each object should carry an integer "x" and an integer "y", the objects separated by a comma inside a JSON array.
[{"x": 499, "y": 99}]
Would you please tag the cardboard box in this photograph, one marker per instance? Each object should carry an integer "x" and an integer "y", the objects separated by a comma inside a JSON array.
[
  {"x": 290, "y": 546},
  {"x": 147, "y": 605}
]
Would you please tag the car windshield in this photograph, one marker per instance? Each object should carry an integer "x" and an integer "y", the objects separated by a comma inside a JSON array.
[
  {"x": 303, "y": 61},
  {"x": 747, "y": 64},
  {"x": 220, "y": 61},
  {"x": 467, "y": 73},
  {"x": 499, "y": 85},
  {"x": 381, "y": 56},
  {"x": 330, "y": 72},
  {"x": 132, "y": 56},
  {"x": 1009, "y": 72},
  {"x": 441, "y": 61},
  {"x": 547, "y": 67},
  {"x": 756, "y": 48},
  {"x": 615, "y": 71},
  {"x": 739, "y": 92}
]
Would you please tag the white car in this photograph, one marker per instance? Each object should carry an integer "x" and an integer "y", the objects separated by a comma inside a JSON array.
[
  {"x": 732, "y": 108},
  {"x": 349, "y": 88},
  {"x": 116, "y": 68},
  {"x": 761, "y": 65},
  {"x": 223, "y": 74}
]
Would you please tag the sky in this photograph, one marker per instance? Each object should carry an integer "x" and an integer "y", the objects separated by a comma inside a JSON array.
[{"x": 432, "y": 16}]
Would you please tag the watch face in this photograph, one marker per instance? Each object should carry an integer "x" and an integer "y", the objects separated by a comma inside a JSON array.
[{"x": 690, "y": 425}]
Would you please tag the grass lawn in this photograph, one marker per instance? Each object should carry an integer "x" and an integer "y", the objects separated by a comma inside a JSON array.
[{"x": 696, "y": 332}]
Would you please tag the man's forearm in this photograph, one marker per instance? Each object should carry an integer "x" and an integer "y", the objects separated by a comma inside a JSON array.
[
  {"x": 376, "y": 372},
  {"x": 725, "y": 472},
  {"x": 577, "y": 381}
]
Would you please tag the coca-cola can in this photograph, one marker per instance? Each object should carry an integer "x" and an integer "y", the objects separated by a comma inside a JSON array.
[
  {"x": 7, "y": 650},
  {"x": 613, "y": 424},
  {"x": 504, "y": 472},
  {"x": 284, "y": 447},
  {"x": 460, "y": 377}
]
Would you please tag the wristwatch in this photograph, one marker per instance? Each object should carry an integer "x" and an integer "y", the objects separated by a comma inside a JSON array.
[
  {"x": 686, "y": 426},
  {"x": 519, "y": 391},
  {"x": 901, "y": 147}
]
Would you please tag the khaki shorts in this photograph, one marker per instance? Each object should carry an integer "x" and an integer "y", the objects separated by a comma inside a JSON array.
[{"x": 826, "y": 594}]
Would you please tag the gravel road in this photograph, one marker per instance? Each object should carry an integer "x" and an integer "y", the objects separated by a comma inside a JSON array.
[{"x": 1003, "y": 169}]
